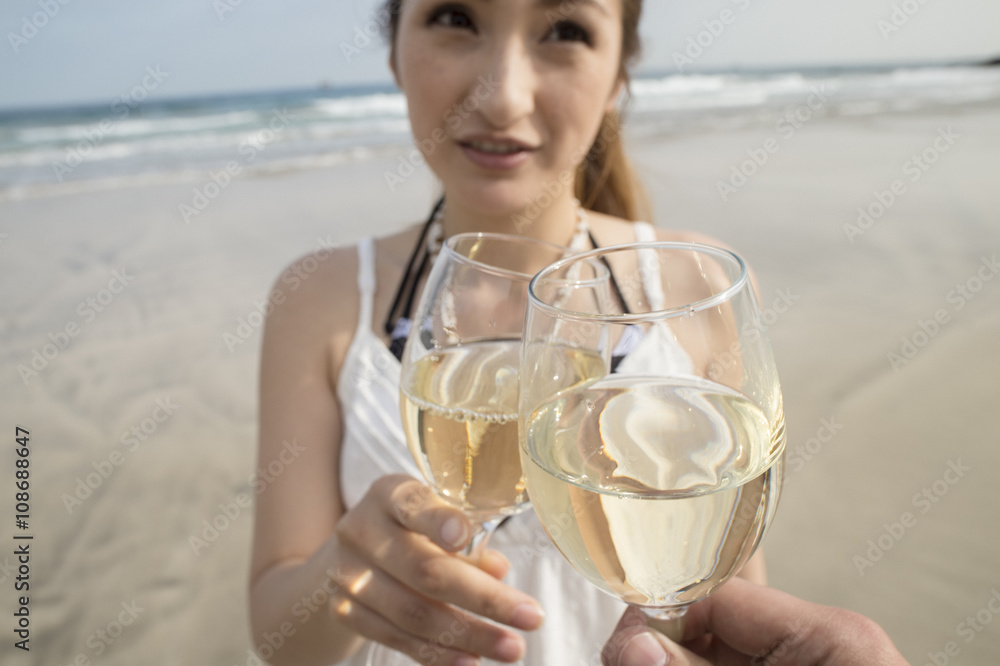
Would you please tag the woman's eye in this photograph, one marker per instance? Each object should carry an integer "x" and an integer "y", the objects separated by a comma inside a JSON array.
[
  {"x": 452, "y": 17},
  {"x": 567, "y": 31}
]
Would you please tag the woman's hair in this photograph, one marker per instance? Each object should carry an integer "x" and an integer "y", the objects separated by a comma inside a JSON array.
[{"x": 605, "y": 180}]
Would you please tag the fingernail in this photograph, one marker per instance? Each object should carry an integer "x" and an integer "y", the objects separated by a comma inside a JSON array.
[
  {"x": 643, "y": 650},
  {"x": 509, "y": 648},
  {"x": 467, "y": 661},
  {"x": 454, "y": 532},
  {"x": 527, "y": 616}
]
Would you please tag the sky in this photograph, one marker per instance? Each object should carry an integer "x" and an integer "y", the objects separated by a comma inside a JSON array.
[{"x": 61, "y": 52}]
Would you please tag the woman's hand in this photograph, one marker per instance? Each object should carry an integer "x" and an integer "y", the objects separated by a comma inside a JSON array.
[
  {"x": 400, "y": 582},
  {"x": 744, "y": 623}
]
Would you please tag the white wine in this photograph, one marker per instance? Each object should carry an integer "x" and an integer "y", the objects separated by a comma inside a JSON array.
[
  {"x": 657, "y": 490},
  {"x": 459, "y": 409}
]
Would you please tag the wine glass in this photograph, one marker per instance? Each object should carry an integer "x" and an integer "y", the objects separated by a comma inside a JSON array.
[
  {"x": 657, "y": 475},
  {"x": 459, "y": 380},
  {"x": 458, "y": 384}
]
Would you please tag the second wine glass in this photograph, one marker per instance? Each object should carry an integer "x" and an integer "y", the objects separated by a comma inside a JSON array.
[{"x": 658, "y": 475}]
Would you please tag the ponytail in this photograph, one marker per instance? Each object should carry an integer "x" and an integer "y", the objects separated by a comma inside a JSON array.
[{"x": 605, "y": 180}]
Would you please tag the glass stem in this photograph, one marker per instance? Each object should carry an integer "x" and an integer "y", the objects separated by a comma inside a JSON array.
[
  {"x": 481, "y": 533},
  {"x": 668, "y": 621}
]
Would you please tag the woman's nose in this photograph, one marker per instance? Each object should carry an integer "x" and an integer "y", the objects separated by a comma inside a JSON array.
[{"x": 509, "y": 81}]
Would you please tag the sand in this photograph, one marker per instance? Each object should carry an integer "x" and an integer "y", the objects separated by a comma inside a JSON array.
[{"x": 887, "y": 335}]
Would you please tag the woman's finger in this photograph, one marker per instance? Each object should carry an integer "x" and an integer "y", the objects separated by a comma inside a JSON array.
[
  {"x": 368, "y": 623},
  {"x": 387, "y": 537},
  {"x": 493, "y": 563},
  {"x": 445, "y": 577},
  {"x": 418, "y": 508},
  {"x": 420, "y": 618}
]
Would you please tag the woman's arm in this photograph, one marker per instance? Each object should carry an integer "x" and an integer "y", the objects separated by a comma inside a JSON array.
[
  {"x": 296, "y": 512},
  {"x": 321, "y": 577}
]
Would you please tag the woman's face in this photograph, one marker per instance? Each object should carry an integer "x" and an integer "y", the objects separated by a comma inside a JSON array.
[{"x": 506, "y": 96}]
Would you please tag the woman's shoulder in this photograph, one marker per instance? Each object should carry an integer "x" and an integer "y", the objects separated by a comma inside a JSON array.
[
  {"x": 317, "y": 295},
  {"x": 615, "y": 230},
  {"x": 324, "y": 274},
  {"x": 331, "y": 269},
  {"x": 311, "y": 308},
  {"x": 688, "y": 236}
]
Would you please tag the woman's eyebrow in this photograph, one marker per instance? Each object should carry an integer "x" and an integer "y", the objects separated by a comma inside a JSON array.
[
  {"x": 573, "y": 4},
  {"x": 566, "y": 7}
]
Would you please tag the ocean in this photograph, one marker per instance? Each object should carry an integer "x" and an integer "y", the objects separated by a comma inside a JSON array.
[{"x": 80, "y": 148}]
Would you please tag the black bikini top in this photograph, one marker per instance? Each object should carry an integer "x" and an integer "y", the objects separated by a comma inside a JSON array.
[{"x": 398, "y": 322}]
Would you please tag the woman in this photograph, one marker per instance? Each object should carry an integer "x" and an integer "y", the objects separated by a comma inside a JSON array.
[{"x": 513, "y": 104}]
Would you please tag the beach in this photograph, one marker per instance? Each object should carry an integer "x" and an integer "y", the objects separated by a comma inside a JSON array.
[{"x": 131, "y": 331}]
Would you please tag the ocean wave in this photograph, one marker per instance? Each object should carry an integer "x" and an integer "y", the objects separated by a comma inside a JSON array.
[
  {"x": 232, "y": 144},
  {"x": 386, "y": 105},
  {"x": 949, "y": 77},
  {"x": 34, "y": 190},
  {"x": 168, "y": 125},
  {"x": 680, "y": 85},
  {"x": 195, "y": 135},
  {"x": 856, "y": 93}
]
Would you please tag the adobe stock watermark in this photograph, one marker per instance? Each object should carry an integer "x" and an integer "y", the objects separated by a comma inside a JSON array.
[
  {"x": 31, "y": 26},
  {"x": 415, "y": 498},
  {"x": 551, "y": 192},
  {"x": 797, "y": 456},
  {"x": 429, "y": 654},
  {"x": 697, "y": 45},
  {"x": 724, "y": 361},
  {"x": 121, "y": 108},
  {"x": 104, "y": 638},
  {"x": 609, "y": 652},
  {"x": 968, "y": 630},
  {"x": 901, "y": 14},
  {"x": 366, "y": 35},
  {"x": 453, "y": 119},
  {"x": 791, "y": 122},
  {"x": 229, "y": 512},
  {"x": 924, "y": 501},
  {"x": 291, "y": 280},
  {"x": 7, "y": 570},
  {"x": 913, "y": 169},
  {"x": 250, "y": 148},
  {"x": 223, "y": 8},
  {"x": 795, "y": 632},
  {"x": 565, "y": 9},
  {"x": 302, "y": 610},
  {"x": 554, "y": 189},
  {"x": 928, "y": 329},
  {"x": 88, "y": 310},
  {"x": 130, "y": 440}
]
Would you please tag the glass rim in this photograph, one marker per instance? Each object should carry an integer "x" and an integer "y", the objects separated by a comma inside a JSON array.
[
  {"x": 451, "y": 241},
  {"x": 726, "y": 294}
]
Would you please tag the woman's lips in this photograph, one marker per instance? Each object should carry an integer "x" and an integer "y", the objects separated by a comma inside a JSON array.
[{"x": 484, "y": 154}]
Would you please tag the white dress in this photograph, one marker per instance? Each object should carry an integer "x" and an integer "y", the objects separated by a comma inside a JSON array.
[{"x": 579, "y": 617}]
